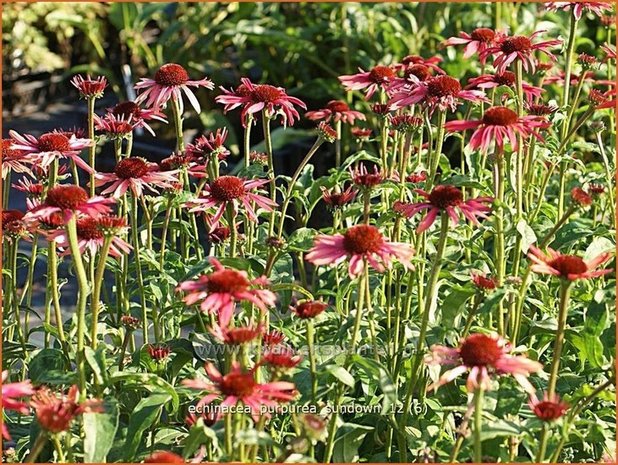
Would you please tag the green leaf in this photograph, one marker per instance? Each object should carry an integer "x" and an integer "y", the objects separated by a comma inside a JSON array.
[
  {"x": 100, "y": 430},
  {"x": 527, "y": 235},
  {"x": 377, "y": 372},
  {"x": 499, "y": 428},
  {"x": 348, "y": 440},
  {"x": 598, "y": 246},
  {"x": 48, "y": 362},
  {"x": 146, "y": 412},
  {"x": 149, "y": 382},
  {"x": 454, "y": 303},
  {"x": 342, "y": 375}
]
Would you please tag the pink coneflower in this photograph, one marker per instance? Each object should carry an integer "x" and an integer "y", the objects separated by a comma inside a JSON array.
[
  {"x": 219, "y": 235},
  {"x": 569, "y": 267},
  {"x": 418, "y": 177},
  {"x": 91, "y": 233},
  {"x": 309, "y": 309},
  {"x": 336, "y": 110},
  {"x": 131, "y": 323},
  {"x": 476, "y": 42},
  {"x": 281, "y": 358},
  {"x": 369, "y": 81},
  {"x": 88, "y": 87},
  {"x": 15, "y": 160},
  {"x": 445, "y": 198},
  {"x": 540, "y": 109},
  {"x": 209, "y": 145},
  {"x": 548, "y": 409},
  {"x": 359, "y": 243},
  {"x": 558, "y": 78},
  {"x": 55, "y": 413},
  {"x": 169, "y": 82},
  {"x": 365, "y": 178},
  {"x": 598, "y": 8},
  {"x": 163, "y": 456},
  {"x": 52, "y": 145},
  {"x": 580, "y": 197},
  {"x": 219, "y": 291},
  {"x": 236, "y": 335},
  {"x": 11, "y": 395},
  {"x": 257, "y": 97},
  {"x": 491, "y": 81},
  {"x": 13, "y": 225},
  {"x": 68, "y": 200},
  {"x": 442, "y": 92},
  {"x": 273, "y": 338},
  {"x": 361, "y": 133},
  {"x": 241, "y": 386},
  {"x": 231, "y": 190},
  {"x": 499, "y": 125},
  {"x": 602, "y": 100},
  {"x": 610, "y": 51},
  {"x": 335, "y": 199},
  {"x": 482, "y": 355},
  {"x": 139, "y": 116},
  {"x": 431, "y": 62},
  {"x": 158, "y": 352},
  {"x": 136, "y": 174},
  {"x": 522, "y": 48},
  {"x": 406, "y": 123},
  {"x": 115, "y": 127},
  {"x": 484, "y": 283}
]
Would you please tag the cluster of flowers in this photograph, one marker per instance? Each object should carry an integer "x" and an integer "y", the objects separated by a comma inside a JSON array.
[{"x": 407, "y": 95}]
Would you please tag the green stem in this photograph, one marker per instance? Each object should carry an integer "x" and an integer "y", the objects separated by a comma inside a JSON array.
[
  {"x": 180, "y": 143},
  {"x": 499, "y": 246},
  {"x": 58, "y": 447},
  {"x": 271, "y": 167},
  {"x": 37, "y": 447},
  {"x": 92, "y": 149},
  {"x": 84, "y": 289},
  {"x": 563, "y": 309},
  {"x": 312, "y": 362},
  {"x": 95, "y": 302},
  {"x": 292, "y": 184},
  {"x": 435, "y": 156},
  {"x": 478, "y": 424}
]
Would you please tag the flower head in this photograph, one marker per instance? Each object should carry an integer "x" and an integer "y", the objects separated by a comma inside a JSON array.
[
  {"x": 367, "y": 179},
  {"x": 476, "y": 41},
  {"x": 50, "y": 146},
  {"x": 209, "y": 145},
  {"x": 337, "y": 110},
  {"x": 91, "y": 233},
  {"x": 440, "y": 92},
  {"x": 335, "y": 199},
  {"x": 236, "y": 335},
  {"x": 369, "y": 81},
  {"x": 568, "y": 267},
  {"x": 226, "y": 190},
  {"x": 240, "y": 386},
  {"x": 163, "y": 456},
  {"x": 578, "y": 8},
  {"x": 448, "y": 199},
  {"x": 68, "y": 200},
  {"x": 281, "y": 358},
  {"x": 136, "y": 174},
  {"x": 511, "y": 48},
  {"x": 219, "y": 290},
  {"x": 309, "y": 309},
  {"x": 170, "y": 81},
  {"x": 359, "y": 243},
  {"x": 55, "y": 413},
  {"x": 548, "y": 409},
  {"x": 484, "y": 283},
  {"x": 507, "y": 79},
  {"x": 88, "y": 87},
  {"x": 158, "y": 352},
  {"x": 580, "y": 197},
  {"x": 12, "y": 393},
  {"x": 273, "y": 338},
  {"x": 482, "y": 356},
  {"x": 257, "y": 97},
  {"x": 499, "y": 125},
  {"x": 13, "y": 225},
  {"x": 15, "y": 160}
]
